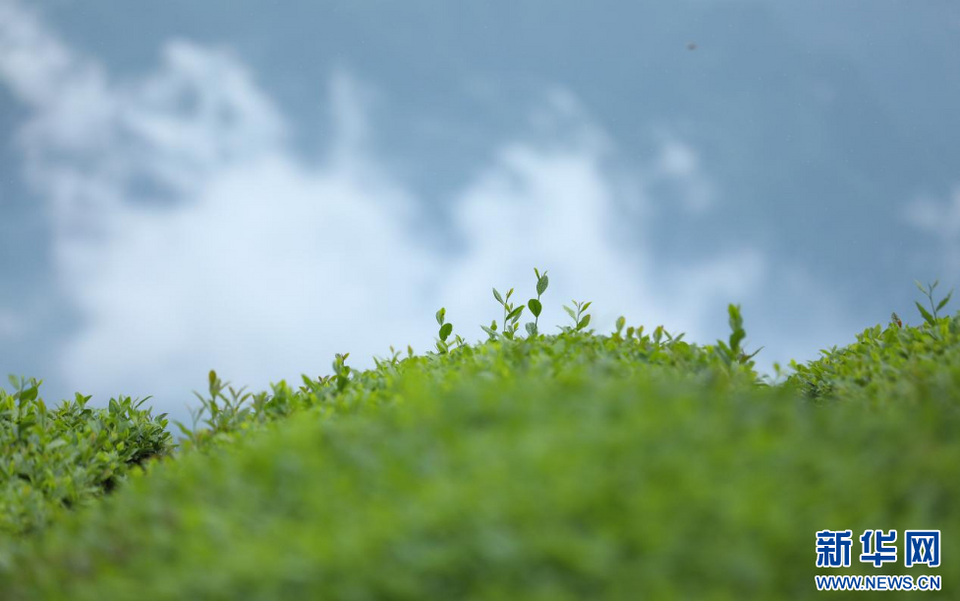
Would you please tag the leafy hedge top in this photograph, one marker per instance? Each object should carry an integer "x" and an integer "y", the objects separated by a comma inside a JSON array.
[
  {"x": 571, "y": 465},
  {"x": 57, "y": 459},
  {"x": 898, "y": 364},
  {"x": 557, "y": 467},
  {"x": 51, "y": 459},
  {"x": 226, "y": 412}
]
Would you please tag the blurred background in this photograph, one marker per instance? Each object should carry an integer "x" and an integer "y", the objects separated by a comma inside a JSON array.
[{"x": 254, "y": 186}]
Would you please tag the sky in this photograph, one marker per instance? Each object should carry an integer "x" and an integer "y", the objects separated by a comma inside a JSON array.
[{"x": 254, "y": 187}]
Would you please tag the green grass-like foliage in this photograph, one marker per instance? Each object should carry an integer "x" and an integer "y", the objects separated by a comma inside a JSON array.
[
  {"x": 567, "y": 466},
  {"x": 897, "y": 364},
  {"x": 53, "y": 459}
]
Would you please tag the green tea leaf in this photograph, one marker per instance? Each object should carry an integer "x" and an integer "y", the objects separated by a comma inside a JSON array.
[
  {"x": 926, "y": 314},
  {"x": 736, "y": 338},
  {"x": 542, "y": 283},
  {"x": 945, "y": 300}
]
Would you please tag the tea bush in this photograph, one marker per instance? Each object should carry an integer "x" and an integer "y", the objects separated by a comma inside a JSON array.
[
  {"x": 227, "y": 413},
  {"x": 52, "y": 459},
  {"x": 898, "y": 364},
  {"x": 562, "y": 466}
]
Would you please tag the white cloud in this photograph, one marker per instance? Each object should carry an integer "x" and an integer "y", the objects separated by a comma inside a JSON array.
[
  {"x": 678, "y": 163},
  {"x": 558, "y": 208},
  {"x": 941, "y": 219},
  {"x": 264, "y": 266},
  {"x": 9, "y": 324}
]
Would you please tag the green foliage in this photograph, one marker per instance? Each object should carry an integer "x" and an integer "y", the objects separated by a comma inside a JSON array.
[
  {"x": 511, "y": 317},
  {"x": 899, "y": 364},
  {"x": 445, "y": 330},
  {"x": 732, "y": 351},
  {"x": 567, "y": 466},
  {"x": 535, "y": 304},
  {"x": 580, "y": 318},
  {"x": 932, "y": 316},
  {"x": 596, "y": 475},
  {"x": 53, "y": 459}
]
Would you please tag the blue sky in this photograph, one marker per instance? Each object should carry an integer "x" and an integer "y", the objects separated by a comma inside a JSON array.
[{"x": 253, "y": 188}]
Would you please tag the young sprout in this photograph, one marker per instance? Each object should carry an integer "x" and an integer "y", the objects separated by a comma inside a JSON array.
[
  {"x": 491, "y": 330},
  {"x": 511, "y": 316},
  {"x": 445, "y": 330},
  {"x": 579, "y": 317},
  {"x": 534, "y": 304},
  {"x": 732, "y": 352},
  {"x": 341, "y": 370},
  {"x": 932, "y": 316},
  {"x": 621, "y": 322}
]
